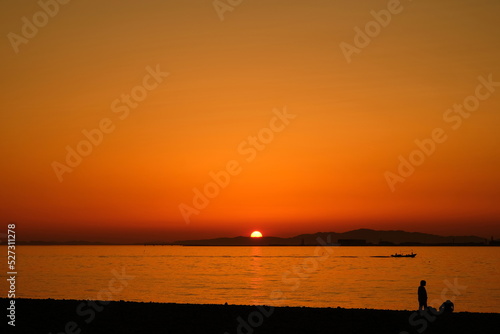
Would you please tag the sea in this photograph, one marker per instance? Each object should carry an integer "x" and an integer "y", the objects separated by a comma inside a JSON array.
[{"x": 322, "y": 276}]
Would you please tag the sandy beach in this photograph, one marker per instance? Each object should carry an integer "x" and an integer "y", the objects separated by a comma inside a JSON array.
[{"x": 74, "y": 316}]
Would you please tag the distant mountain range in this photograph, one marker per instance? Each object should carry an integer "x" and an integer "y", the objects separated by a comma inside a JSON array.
[{"x": 360, "y": 237}]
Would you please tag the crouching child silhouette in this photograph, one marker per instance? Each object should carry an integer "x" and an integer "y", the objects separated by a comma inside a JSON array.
[{"x": 447, "y": 307}]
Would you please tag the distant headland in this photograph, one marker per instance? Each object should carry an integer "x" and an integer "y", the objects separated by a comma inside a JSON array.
[{"x": 359, "y": 237}]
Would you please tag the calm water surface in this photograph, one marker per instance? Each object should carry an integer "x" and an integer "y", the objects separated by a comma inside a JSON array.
[{"x": 353, "y": 277}]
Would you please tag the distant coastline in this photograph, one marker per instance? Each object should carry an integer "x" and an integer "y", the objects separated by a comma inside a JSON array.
[
  {"x": 175, "y": 245},
  {"x": 360, "y": 237}
]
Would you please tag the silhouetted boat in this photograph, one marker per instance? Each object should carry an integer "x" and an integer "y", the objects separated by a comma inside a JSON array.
[{"x": 404, "y": 255}]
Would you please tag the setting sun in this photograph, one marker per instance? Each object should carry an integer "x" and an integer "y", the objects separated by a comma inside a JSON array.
[{"x": 256, "y": 234}]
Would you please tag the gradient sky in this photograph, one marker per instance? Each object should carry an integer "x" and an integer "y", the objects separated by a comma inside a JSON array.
[{"x": 324, "y": 172}]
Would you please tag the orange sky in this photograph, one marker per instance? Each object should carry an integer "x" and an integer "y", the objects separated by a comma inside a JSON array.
[{"x": 326, "y": 170}]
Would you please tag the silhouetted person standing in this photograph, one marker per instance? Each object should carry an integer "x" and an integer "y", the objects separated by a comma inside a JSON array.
[{"x": 422, "y": 296}]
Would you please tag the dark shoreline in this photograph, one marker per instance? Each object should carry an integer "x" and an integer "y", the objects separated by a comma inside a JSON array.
[
  {"x": 174, "y": 245},
  {"x": 76, "y": 316}
]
